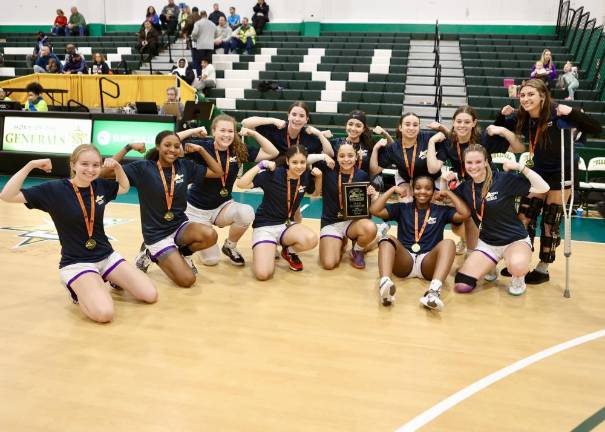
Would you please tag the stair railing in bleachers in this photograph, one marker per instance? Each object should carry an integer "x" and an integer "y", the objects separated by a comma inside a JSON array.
[
  {"x": 103, "y": 92},
  {"x": 168, "y": 42},
  {"x": 437, "y": 65},
  {"x": 436, "y": 38},
  {"x": 124, "y": 64},
  {"x": 78, "y": 104},
  {"x": 563, "y": 18},
  {"x": 585, "y": 41},
  {"x": 578, "y": 33},
  {"x": 571, "y": 25},
  {"x": 594, "y": 57}
]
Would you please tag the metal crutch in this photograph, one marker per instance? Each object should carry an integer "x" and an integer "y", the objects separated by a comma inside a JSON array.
[{"x": 566, "y": 211}]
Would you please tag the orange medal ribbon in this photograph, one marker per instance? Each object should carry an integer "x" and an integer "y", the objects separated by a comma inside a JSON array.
[
  {"x": 418, "y": 235},
  {"x": 405, "y": 158},
  {"x": 169, "y": 194},
  {"x": 479, "y": 215},
  {"x": 290, "y": 204},
  {"x": 90, "y": 243},
  {"x": 532, "y": 143},
  {"x": 225, "y": 169},
  {"x": 288, "y": 138}
]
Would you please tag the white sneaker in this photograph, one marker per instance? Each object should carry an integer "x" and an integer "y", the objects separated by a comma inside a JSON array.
[
  {"x": 432, "y": 300},
  {"x": 492, "y": 275},
  {"x": 460, "y": 247},
  {"x": 383, "y": 231},
  {"x": 189, "y": 262},
  {"x": 517, "y": 286},
  {"x": 143, "y": 260},
  {"x": 387, "y": 291}
]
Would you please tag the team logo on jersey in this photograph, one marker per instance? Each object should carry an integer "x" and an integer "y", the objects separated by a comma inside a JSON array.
[
  {"x": 100, "y": 199},
  {"x": 178, "y": 178},
  {"x": 362, "y": 153},
  {"x": 31, "y": 234},
  {"x": 491, "y": 196},
  {"x": 422, "y": 154},
  {"x": 431, "y": 221},
  {"x": 233, "y": 159},
  {"x": 301, "y": 189}
]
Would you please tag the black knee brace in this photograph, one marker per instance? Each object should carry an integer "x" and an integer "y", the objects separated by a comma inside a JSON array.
[
  {"x": 465, "y": 279},
  {"x": 531, "y": 208},
  {"x": 551, "y": 219},
  {"x": 185, "y": 251},
  {"x": 388, "y": 239}
]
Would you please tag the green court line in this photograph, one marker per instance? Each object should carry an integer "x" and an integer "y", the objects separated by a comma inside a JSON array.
[
  {"x": 591, "y": 422},
  {"x": 582, "y": 228}
]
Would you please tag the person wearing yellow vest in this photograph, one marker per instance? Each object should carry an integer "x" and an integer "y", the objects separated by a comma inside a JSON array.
[
  {"x": 244, "y": 37},
  {"x": 35, "y": 102}
]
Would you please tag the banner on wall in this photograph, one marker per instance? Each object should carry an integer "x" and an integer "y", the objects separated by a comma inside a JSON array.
[
  {"x": 45, "y": 135},
  {"x": 111, "y": 135}
]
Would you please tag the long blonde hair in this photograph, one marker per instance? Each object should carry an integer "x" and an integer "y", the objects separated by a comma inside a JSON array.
[
  {"x": 487, "y": 184},
  {"x": 75, "y": 155}
]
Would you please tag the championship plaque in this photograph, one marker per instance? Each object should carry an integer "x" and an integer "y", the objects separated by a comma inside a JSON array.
[{"x": 356, "y": 200}]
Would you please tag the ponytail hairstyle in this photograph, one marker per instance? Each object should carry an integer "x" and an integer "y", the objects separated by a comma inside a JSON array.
[
  {"x": 75, "y": 155},
  {"x": 153, "y": 154},
  {"x": 422, "y": 177},
  {"x": 487, "y": 184},
  {"x": 475, "y": 132},
  {"x": 237, "y": 147},
  {"x": 401, "y": 119},
  {"x": 545, "y": 111},
  {"x": 365, "y": 139},
  {"x": 282, "y": 161}
]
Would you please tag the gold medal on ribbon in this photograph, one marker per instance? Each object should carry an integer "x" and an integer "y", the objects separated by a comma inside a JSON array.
[
  {"x": 224, "y": 192},
  {"x": 529, "y": 163},
  {"x": 89, "y": 244},
  {"x": 415, "y": 248},
  {"x": 168, "y": 216}
]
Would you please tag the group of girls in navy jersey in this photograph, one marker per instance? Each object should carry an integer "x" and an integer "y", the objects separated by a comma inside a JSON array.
[{"x": 185, "y": 187}]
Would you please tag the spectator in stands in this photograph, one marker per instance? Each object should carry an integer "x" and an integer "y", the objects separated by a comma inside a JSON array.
[
  {"x": 75, "y": 65},
  {"x": 53, "y": 67},
  {"x": 43, "y": 59},
  {"x": 189, "y": 23},
  {"x": 243, "y": 37},
  {"x": 183, "y": 18},
  {"x": 171, "y": 98},
  {"x": 60, "y": 24},
  {"x": 152, "y": 16},
  {"x": 223, "y": 36},
  {"x": 202, "y": 38},
  {"x": 261, "y": 16},
  {"x": 207, "y": 78},
  {"x": 233, "y": 19},
  {"x": 3, "y": 96},
  {"x": 98, "y": 65},
  {"x": 35, "y": 102},
  {"x": 41, "y": 41},
  {"x": 169, "y": 17},
  {"x": 570, "y": 80},
  {"x": 216, "y": 14},
  {"x": 148, "y": 41},
  {"x": 184, "y": 70},
  {"x": 549, "y": 65},
  {"x": 77, "y": 23}
]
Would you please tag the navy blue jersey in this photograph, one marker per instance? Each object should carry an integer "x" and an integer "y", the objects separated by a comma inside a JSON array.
[
  {"x": 144, "y": 175},
  {"x": 493, "y": 144},
  {"x": 329, "y": 191},
  {"x": 273, "y": 210},
  {"x": 393, "y": 154},
  {"x": 279, "y": 139},
  {"x": 57, "y": 197},
  {"x": 363, "y": 155},
  {"x": 500, "y": 224},
  {"x": 403, "y": 214},
  {"x": 207, "y": 196}
]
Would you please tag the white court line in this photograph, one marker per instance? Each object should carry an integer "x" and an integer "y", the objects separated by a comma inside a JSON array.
[
  {"x": 436, "y": 410},
  {"x": 304, "y": 207}
]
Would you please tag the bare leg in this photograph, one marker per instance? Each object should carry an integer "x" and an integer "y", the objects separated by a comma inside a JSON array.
[
  {"x": 263, "y": 260},
  {"x": 127, "y": 276},
  {"x": 93, "y": 297}
]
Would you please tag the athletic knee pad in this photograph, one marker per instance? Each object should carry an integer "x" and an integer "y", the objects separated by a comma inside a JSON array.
[
  {"x": 239, "y": 214},
  {"x": 464, "y": 283},
  {"x": 389, "y": 240},
  {"x": 210, "y": 256}
]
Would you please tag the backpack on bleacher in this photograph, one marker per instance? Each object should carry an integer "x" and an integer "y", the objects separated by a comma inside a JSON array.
[{"x": 265, "y": 86}]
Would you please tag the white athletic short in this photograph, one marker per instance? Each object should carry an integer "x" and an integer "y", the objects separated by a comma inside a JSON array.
[
  {"x": 417, "y": 266},
  {"x": 167, "y": 243},
  {"x": 269, "y": 234},
  {"x": 206, "y": 217},
  {"x": 73, "y": 271},
  {"x": 337, "y": 230},
  {"x": 496, "y": 253}
]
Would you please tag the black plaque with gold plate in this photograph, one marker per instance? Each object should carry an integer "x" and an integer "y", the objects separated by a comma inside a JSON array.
[{"x": 356, "y": 200}]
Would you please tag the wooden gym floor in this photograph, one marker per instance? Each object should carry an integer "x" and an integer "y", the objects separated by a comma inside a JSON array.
[{"x": 309, "y": 351}]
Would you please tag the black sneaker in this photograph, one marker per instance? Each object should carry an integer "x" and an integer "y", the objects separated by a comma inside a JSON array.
[
  {"x": 234, "y": 255},
  {"x": 536, "y": 277},
  {"x": 505, "y": 272}
]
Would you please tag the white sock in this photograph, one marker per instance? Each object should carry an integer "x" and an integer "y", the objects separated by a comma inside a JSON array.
[
  {"x": 435, "y": 285},
  {"x": 230, "y": 244},
  {"x": 519, "y": 280},
  {"x": 542, "y": 267},
  {"x": 290, "y": 250},
  {"x": 358, "y": 248},
  {"x": 383, "y": 280}
]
